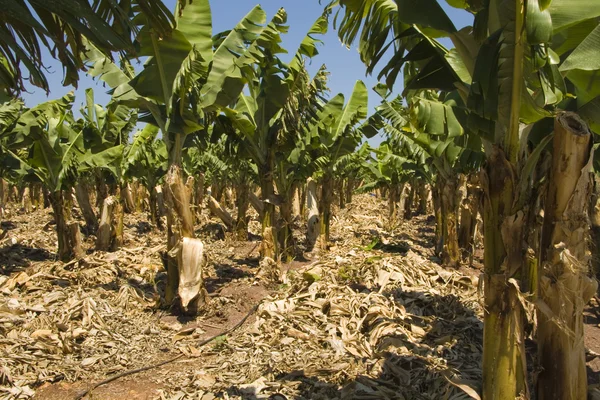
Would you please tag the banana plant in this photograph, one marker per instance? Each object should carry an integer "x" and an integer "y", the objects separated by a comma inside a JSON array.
[
  {"x": 517, "y": 64},
  {"x": 436, "y": 125},
  {"x": 332, "y": 137},
  {"x": 61, "y": 28},
  {"x": 271, "y": 111},
  {"x": 57, "y": 155},
  {"x": 104, "y": 128},
  {"x": 145, "y": 159},
  {"x": 391, "y": 169},
  {"x": 187, "y": 77}
]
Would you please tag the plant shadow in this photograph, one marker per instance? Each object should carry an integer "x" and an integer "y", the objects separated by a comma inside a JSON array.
[{"x": 18, "y": 256}]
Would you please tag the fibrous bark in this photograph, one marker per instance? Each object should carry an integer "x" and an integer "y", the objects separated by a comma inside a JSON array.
[
  {"x": 129, "y": 198},
  {"x": 349, "y": 189},
  {"x": 191, "y": 260},
  {"x": 449, "y": 205},
  {"x": 229, "y": 197},
  {"x": 180, "y": 224},
  {"x": 469, "y": 208},
  {"x": 437, "y": 210},
  {"x": 101, "y": 189},
  {"x": 26, "y": 200},
  {"x": 110, "y": 229},
  {"x": 37, "y": 200},
  {"x": 83, "y": 199},
  {"x": 341, "y": 193},
  {"x": 408, "y": 203},
  {"x": 394, "y": 198},
  {"x": 286, "y": 242},
  {"x": 313, "y": 214},
  {"x": 423, "y": 194},
  {"x": 256, "y": 203},
  {"x": 241, "y": 223},
  {"x": 221, "y": 213},
  {"x": 69, "y": 237},
  {"x": 269, "y": 243},
  {"x": 296, "y": 207},
  {"x": 565, "y": 287},
  {"x": 595, "y": 226},
  {"x": 200, "y": 191},
  {"x": 157, "y": 206},
  {"x": 504, "y": 364},
  {"x": 325, "y": 211},
  {"x": 140, "y": 197}
]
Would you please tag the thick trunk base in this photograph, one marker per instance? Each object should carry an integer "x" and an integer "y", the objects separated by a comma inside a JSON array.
[
  {"x": 220, "y": 212},
  {"x": 565, "y": 287},
  {"x": 110, "y": 229},
  {"x": 83, "y": 199},
  {"x": 68, "y": 234},
  {"x": 313, "y": 215},
  {"x": 191, "y": 260}
]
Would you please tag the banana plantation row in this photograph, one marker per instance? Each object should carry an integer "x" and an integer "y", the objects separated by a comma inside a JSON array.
[{"x": 506, "y": 116}]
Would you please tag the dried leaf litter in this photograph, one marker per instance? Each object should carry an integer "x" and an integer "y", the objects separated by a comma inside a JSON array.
[{"x": 375, "y": 318}]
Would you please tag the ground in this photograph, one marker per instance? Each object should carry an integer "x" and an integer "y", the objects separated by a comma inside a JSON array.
[{"x": 375, "y": 318}]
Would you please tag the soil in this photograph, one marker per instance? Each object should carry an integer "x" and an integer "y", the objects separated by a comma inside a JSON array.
[
  {"x": 27, "y": 244},
  {"x": 592, "y": 340}
]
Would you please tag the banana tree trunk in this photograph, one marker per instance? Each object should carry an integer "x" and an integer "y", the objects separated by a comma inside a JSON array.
[
  {"x": 220, "y": 212},
  {"x": 69, "y": 237},
  {"x": 393, "y": 200},
  {"x": 408, "y": 203},
  {"x": 287, "y": 243},
  {"x": 229, "y": 197},
  {"x": 83, "y": 199},
  {"x": 468, "y": 214},
  {"x": 242, "y": 192},
  {"x": 267, "y": 187},
  {"x": 13, "y": 194},
  {"x": 26, "y": 200},
  {"x": 449, "y": 200},
  {"x": 349, "y": 190},
  {"x": 101, "y": 189},
  {"x": 325, "y": 211},
  {"x": 423, "y": 194},
  {"x": 36, "y": 195},
  {"x": 190, "y": 186},
  {"x": 191, "y": 261},
  {"x": 296, "y": 206},
  {"x": 595, "y": 226},
  {"x": 180, "y": 224},
  {"x": 256, "y": 203},
  {"x": 565, "y": 286},
  {"x": 217, "y": 191},
  {"x": 46, "y": 195},
  {"x": 392, "y": 211},
  {"x": 302, "y": 194},
  {"x": 200, "y": 191},
  {"x": 312, "y": 205},
  {"x": 110, "y": 229},
  {"x": 341, "y": 193},
  {"x": 156, "y": 206},
  {"x": 128, "y": 198},
  {"x": 140, "y": 197},
  {"x": 3, "y": 192},
  {"x": 436, "y": 198},
  {"x": 504, "y": 364}
]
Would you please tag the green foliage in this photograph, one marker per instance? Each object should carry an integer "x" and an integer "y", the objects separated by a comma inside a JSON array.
[{"x": 65, "y": 28}]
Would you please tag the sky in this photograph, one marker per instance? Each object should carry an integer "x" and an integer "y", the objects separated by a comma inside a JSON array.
[{"x": 344, "y": 64}]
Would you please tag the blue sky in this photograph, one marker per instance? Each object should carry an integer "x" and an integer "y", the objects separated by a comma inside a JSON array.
[{"x": 344, "y": 64}]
